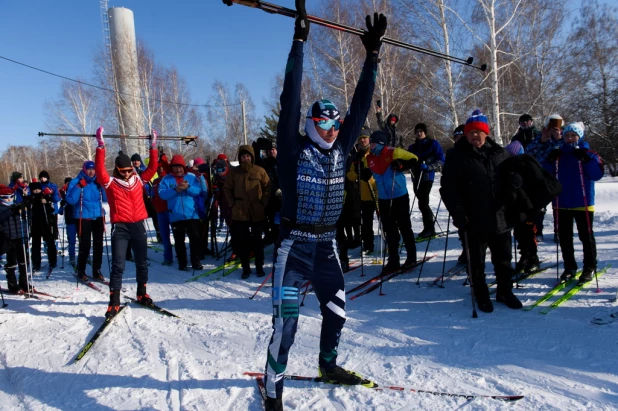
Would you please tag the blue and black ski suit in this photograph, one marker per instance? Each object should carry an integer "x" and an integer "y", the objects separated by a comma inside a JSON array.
[{"x": 312, "y": 182}]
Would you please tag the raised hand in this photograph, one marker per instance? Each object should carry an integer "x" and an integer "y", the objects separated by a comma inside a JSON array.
[
  {"x": 153, "y": 138},
  {"x": 99, "y": 135},
  {"x": 301, "y": 25},
  {"x": 372, "y": 37}
]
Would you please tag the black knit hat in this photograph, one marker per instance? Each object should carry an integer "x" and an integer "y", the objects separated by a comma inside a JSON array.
[
  {"x": 459, "y": 131},
  {"x": 67, "y": 180},
  {"x": 43, "y": 174},
  {"x": 378, "y": 137},
  {"x": 123, "y": 160},
  {"x": 136, "y": 157},
  {"x": 525, "y": 117},
  {"x": 421, "y": 126},
  {"x": 35, "y": 186},
  {"x": 16, "y": 175},
  {"x": 364, "y": 132}
]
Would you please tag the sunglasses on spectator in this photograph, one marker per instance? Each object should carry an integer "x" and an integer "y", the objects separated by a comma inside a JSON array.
[
  {"x": 124, "y": 170},
  {"x": 327, "y": 123}
]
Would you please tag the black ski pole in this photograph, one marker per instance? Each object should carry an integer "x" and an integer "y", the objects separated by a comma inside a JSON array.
[
  {"x": 2, "y": 295},
  {"x": 515, "y": 258},
  {"x": 359, "y": 195},
  {"x": 469, "y": 265},
  {"x": 276, "y": 9},
  {"x": 448, "y": 224},
  {"x": 420, "y": 271},
  {"x": 420, "y": 177},
  {"x": 64, "y": 224}
]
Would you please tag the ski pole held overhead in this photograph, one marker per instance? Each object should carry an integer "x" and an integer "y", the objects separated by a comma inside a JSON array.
[
  {"x": 284, "y": 11},
  {"x": 186, "y": 139}
]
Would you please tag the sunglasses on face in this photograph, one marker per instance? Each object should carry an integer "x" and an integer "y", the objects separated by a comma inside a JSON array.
[
  {"x": 124, "y": 170},
  {"x": 326, "y": 123}
]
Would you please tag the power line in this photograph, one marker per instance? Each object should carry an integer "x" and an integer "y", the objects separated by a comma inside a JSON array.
[{"x": 110, "y": 90}]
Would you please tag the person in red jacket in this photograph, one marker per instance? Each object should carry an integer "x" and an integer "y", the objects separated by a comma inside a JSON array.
[{"x": 127, "y": 214}]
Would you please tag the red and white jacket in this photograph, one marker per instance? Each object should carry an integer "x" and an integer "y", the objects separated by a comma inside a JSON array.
[{"x": 125, "y": 198}]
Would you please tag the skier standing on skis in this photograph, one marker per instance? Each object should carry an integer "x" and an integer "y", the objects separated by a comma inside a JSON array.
[
  {"x": 13, "y": 233},
  {"x": 386, "y": 165},
  {"x": 470, "y": 191},
  {"x": 311, "y": 174},
  {"x": 67, "y": 210},
  {"x": 41, "y": 212},
  {"x": 127, "y": 212},
  {"x": 247, "y": 190},
  {"x": 180, "y": 189},
  {"x": 578, "y": 169},
  {"x": 430, "y": 159},
  {"x": 87, "y": 198}
]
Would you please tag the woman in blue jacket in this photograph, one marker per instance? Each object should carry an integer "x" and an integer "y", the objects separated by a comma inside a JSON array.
[
  {"x": 577, "y": 168},
  {"x": 87, "y": 198},
  {"x": 180, "y": 189}
]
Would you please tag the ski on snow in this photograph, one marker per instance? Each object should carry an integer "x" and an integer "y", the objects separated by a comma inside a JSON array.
[
  {"x": 574, "y": 290},
  {"x": 560, "y": 286},
  {"x": 153, "y": 307},
  {"x": 524, "y": 276},
  {"x": 437, "y": 235},
  {"x": 260, "y": 381},
  {"x": 96, "y": 335},
  {"x": 459, "y": 268}
]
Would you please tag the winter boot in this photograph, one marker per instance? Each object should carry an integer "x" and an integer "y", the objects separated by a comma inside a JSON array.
[
  {"x": 410, "y": 262},
  {"x": 246, "y": 272},
  {"x": 427, "y": 232},
  {"x": 481, "y": 294},
  {"x": 532, "y": 264},
  {"x": 182, "y": 267},
  {"x": 567, "y": 275},
  {"x": 198, "y": 267},
  {"x": 587, "y": 275},
  {"x": 259, "y": 271},
  {"x": 392, "y": 266},
  {"x": 82, "y": 276},
  {"x": 273, "y": 404},
  {"x": 11, "y": 280},
  {"x": 462, "y": 259},
  {"x": 96, "y": 275},
  {"x": 233, "y": 258},
  {"x": 142, "y": 297},
  {"x": 505, "y": 295},
  {"x": 114, "y": 304},
  {"x": 339, "y": 375}
]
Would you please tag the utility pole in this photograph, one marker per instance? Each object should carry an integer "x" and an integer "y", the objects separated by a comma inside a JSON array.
[{"x": 244, "y": 122}]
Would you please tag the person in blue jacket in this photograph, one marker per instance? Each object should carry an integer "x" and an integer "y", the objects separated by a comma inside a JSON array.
[
  {"x": 311, "y": 176},
  {"x": 577, "y": 168},
  {"x": 430, "y": 158},
  {"x": 180, "y": 189},
  {"x": 19, "y": 187},
  {"x": 87, "y": 198}
]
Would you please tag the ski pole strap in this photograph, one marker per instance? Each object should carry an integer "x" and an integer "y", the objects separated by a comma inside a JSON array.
[{"x": 307, "y": 228}]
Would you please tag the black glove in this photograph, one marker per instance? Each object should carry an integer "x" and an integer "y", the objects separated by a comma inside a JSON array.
[
  {"x": 366, "y": 174},
  {"x": 554, "y": 155},
  {"x": 397, "y": 165},
  {"x": 301, "y": 25},
  {"x": 582, "y": 155},
  {"x": 372, "y": 38},
  {"x": 63, "y": 202}
]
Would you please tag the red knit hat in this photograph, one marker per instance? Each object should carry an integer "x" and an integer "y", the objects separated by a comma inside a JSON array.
[
  {"x": 5, "y": 191},
  {"x": 178, "y": 160},
  {"x": 221, "y": 157},
  {"x": 197, "y": 162},
  {"x": 477, "y": 121}
]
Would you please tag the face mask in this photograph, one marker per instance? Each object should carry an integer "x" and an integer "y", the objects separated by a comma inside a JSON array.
[{"x": 377, "y": 149}]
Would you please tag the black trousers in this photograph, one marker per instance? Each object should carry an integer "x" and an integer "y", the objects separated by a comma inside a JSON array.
[
  {"x": 525, "y": 235},
  {"x": 422, "y": 196},
  {"x": 189, "y": 228},
  {"x": 86, "y": 230},
  {"x": 368, "y": 208},
  {"x": 15, "y": 257},
  {"x": 565, "y": 232},
  {"x": 396, "y": 219},
  {"x": 500, "y": 247},
  {"x": 124, "y": 234},
  {"x": 46, "y": 234},
  {"x": 248, "y": 236}
]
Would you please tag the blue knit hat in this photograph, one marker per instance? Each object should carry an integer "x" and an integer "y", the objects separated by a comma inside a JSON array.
[
  {"x": 575, "y": 127},
  {"x": 515, "y": 148},
  {"x": 477, "y": 121},
  {"x": 88, "y": 165}
]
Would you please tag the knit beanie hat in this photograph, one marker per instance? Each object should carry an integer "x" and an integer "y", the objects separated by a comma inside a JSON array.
[
  {"x": 421, "y": 126},
  {"x": 67, "y": 180},
  {"x": 44, "y": 174},
  {"x": 477, "y": 121},
  {"x": 525, "y": 117},
  {"x": 35, "y": 186},
  {"x": 197, "y": 162},
  {"x": 136, "y": 157},
  {"x": 16, "y": 175},
  {"x": 178, "y": 160},
  {"x": 221, "y": 157},
  {"x": 123, "y": 160},
  {"x": 379, "y": 137},
  {"x": 5, "y": 191},
  {"x": 515, "y": 148},
  {"x": 321, "y": 109},
  {"x": 459, "y": 131},
  {"x": 88, "y": 165},
  {"x": 365, "y": 132},
  {"x": 577, "y": 127}
]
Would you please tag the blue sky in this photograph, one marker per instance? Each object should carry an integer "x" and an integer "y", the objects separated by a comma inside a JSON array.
[{"x": 205, "y": 40}]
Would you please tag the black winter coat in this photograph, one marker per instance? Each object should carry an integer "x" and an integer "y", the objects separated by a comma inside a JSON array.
[
  {"x": 469, "y": 187},
  {"x": 10, "y": 226}
]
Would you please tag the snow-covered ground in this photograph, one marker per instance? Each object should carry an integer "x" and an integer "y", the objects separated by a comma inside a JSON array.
[{"x": 415, "y": 336}]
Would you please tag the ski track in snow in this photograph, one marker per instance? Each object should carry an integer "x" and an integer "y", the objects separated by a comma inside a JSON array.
[{"x": 414, "y": 336}]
